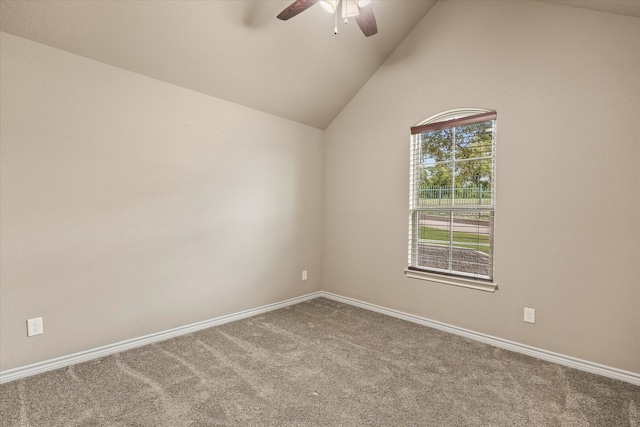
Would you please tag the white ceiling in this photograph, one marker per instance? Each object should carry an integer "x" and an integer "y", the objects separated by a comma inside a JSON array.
[
  {"x": 236, "y": 49},
  {"x": 619, "y": 7}
]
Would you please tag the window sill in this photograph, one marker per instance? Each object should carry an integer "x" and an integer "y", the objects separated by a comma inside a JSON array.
[{"x": 454, "y": 281}]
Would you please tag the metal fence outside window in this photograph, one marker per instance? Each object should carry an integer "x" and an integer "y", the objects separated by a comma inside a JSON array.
[{"x": 464, "y": 196}]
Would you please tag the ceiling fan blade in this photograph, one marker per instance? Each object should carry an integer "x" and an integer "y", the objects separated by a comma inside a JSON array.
[
  {"x": 366, "y": 21},
  {"x": 295, "y": 8}
]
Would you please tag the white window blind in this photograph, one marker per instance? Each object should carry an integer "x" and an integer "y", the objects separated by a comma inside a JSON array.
[{"x": 452, "y": 185}]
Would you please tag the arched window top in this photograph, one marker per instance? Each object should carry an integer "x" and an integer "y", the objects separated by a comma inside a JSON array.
[
  {"x": 451, "y": 118},
  {"x": 453, "y": 114}
]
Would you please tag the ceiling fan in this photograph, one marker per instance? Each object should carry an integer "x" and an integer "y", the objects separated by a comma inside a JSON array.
[{"x": 358, "y": 9}]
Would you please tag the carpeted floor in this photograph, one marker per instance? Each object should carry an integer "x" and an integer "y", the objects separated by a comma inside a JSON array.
[{"x": 319, "y": 363}]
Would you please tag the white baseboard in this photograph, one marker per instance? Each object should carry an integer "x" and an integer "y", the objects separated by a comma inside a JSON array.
[
  {"x": 83, "y": 356},
  {"x": 572, "y": 362},
  {"x": 71, "y": 359}
]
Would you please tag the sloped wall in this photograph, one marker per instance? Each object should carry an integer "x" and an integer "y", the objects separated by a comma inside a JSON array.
[
  {"x": 131, "y": 206},
  {"x": 564, "y": 82}
]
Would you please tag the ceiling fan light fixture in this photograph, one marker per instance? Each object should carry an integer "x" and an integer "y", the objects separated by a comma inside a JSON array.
[
  {"x": 329, "y": 5},
  {"x": 344, "y": 9},
  {"x": 349, "y": 8}
]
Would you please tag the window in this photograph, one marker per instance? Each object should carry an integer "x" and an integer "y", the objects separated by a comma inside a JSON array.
[{"x": 452, "y": 198}]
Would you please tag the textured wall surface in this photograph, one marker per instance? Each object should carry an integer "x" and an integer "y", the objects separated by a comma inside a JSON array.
[
  {"x": 565, "y": 85},
  {"x": 131, "y": 206}
]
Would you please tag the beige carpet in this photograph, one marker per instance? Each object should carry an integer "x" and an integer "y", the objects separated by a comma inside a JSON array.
[{"x": 319, "y": 363}]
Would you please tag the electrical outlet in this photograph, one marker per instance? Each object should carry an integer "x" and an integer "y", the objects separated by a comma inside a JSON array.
[
  {"x": 530, "y": 315},
  {"x": 304, "y": 274},
  {"x": 34, "y": 327}
]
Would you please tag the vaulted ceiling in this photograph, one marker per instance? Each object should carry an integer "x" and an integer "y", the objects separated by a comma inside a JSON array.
[{"x": 236, "y": 49}]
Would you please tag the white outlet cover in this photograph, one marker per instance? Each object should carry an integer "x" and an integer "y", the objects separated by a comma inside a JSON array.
[
  {"x": 530, "y": 315},
  {"x": 34, "y": 327}
]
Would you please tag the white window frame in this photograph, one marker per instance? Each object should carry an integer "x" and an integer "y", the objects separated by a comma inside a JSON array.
[{"x": 432, "y": 274}]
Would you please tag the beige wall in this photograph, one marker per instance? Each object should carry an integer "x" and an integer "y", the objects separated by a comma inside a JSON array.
[
  {"x": 566, "y": 85},
  {"x": 131, "y": 206}
]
